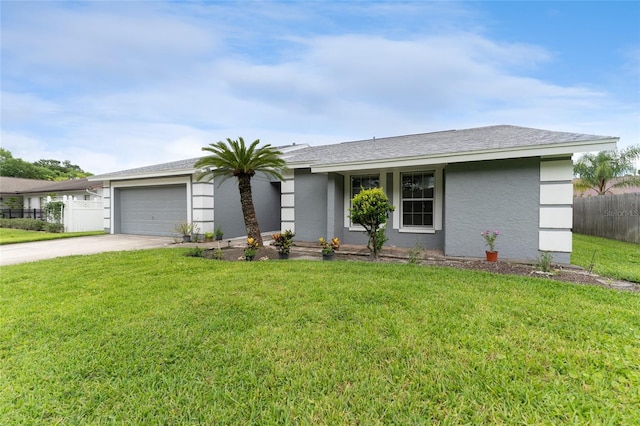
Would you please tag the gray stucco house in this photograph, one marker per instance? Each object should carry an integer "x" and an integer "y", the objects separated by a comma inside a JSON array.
[
  {"x": 447, "y": 187},
  {"x": 153, "y": 200}
]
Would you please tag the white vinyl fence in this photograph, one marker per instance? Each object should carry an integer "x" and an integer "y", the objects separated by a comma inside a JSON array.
[{"x": 81, "y": 215}]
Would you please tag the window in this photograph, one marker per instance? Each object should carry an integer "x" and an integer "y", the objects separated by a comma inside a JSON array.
[
  {"x": 358, "y": 183},
  {"x": 417, "y": 199}
]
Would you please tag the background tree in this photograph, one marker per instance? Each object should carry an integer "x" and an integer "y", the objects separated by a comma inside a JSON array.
[
  {"x": 234, "y": 158},
  {"x": 607, "y": 169},
  {"x": 370, "y": 208},
  {"x": 41, "y": 169},
  {"x": 63, "y": 170},
  {"x": 16, "y": 167}
]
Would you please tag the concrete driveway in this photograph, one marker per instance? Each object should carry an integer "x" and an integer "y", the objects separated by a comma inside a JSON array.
[{"x": 30, "y": 252}]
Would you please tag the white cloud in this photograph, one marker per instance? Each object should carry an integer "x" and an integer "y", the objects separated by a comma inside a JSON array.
[{"x": 113, "y": 86}]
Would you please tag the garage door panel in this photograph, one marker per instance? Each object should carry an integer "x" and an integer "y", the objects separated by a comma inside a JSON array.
[{"x": 152, "y": 210}]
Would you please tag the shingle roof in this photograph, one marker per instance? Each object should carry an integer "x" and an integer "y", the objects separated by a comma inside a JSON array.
[
  {"x": 67, "y": 185},
  {"x": 26, "y": 186},
  {"x": 12, "y": 185},
  {"x": 436, "y": 143},
  {"x": 389, "y": 148},
  {"x": 180, "y": 165},
  {"x": 186, "y": 165}
]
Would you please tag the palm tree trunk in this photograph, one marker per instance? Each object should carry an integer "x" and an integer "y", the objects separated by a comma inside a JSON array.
[{"x": 248, "y": 210}]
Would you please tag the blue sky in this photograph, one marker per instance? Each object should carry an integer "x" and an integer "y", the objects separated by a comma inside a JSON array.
[{"x": 116, "y": 85}]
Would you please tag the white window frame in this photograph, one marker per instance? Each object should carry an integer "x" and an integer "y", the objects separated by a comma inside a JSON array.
[
  {"x": 437, "y": 202},
  {"x": 347, "y": 194}
]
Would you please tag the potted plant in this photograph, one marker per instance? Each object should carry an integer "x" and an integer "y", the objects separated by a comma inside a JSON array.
[
  {"x": 282, "y": 242},
  {"x": 186, "y": 229},
  {"x": 208, "y": 237},
  {"x": 490, "y": 241},
  {"x": 251, "y": 249},
  {"x": 329, "y": 247},
  {"x": 219, "y": 234}
]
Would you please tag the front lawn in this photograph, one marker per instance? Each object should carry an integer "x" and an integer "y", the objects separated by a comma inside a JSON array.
[
  {"x": 611, "y": 258},
  {"x": 11, "y": 236},
  {"x": 152, "y": 337}
]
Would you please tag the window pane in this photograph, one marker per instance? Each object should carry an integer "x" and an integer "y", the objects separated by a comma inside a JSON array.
[
  {"x": 428, "y": 220},
  {"x": 407, "y": 186},
  {"x": 356, "y": 182},
  {"x": 366, "y": 182},
  {"x": 428, "y": 186},
  {"x": 371, "y": 182}
]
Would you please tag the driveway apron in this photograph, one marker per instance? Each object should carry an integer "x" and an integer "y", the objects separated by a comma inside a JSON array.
[{"x": 11, "y": 254}]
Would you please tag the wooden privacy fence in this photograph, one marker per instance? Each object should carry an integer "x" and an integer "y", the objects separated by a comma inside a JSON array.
[{"x": 609, "y": 216}]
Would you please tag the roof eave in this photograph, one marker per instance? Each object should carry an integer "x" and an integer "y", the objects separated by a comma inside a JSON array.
[{"x": 568, "y": 148}]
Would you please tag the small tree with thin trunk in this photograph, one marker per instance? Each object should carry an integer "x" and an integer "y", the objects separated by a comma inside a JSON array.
[
  {"x": 234, "y": 158},
  {"x": 370, "y": 208},
  {"x": 607, "y": 169}
]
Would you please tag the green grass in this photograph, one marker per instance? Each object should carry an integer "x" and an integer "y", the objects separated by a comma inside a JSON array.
[
  {"x": 152, "y": 337},
  {"x": 616, "y": 259},
  {"x": 12, "y": 236}
]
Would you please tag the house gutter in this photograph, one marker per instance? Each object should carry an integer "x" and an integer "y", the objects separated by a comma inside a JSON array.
[{"x": 164, "y": 173}]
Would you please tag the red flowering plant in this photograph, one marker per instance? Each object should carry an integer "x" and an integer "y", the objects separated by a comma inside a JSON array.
[{"x": 490, "y": 239}]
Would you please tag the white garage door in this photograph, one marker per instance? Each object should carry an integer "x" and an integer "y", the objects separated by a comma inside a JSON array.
[{"x": 152, "y": 210}]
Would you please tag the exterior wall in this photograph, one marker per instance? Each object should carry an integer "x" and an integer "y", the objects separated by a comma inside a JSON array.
[
  {"x": 287, "y": 203},
  {"x": 314, "y": 205},
  {"x": 556, "y": 208},
  {"x": 107, "y": 203},
  {"x": 310, "y": 200},
  {"x": 203, "y": 205},
  {"x": 428, "y": 239},
  {"x": 335, "y": 206},
  {"x": 497, "y": 195},
  {"x": 228, "y": 210}
]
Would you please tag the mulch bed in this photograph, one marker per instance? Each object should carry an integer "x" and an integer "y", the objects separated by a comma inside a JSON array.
[{"x": 571, "y": 274}]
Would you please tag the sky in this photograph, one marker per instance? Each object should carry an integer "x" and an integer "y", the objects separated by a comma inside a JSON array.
[{"x": 113, "y": 85}]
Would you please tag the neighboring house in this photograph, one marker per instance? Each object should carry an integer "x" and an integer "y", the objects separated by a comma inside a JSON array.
[
  {"x": 578, "y": 193},
  {"x": 76, "y": 189},
  {"x": 33, "y": 193},
  {"x": 12, "y": 188},
  {"x": 83, "y": 209},
  {"x": 447, "y": 187}
]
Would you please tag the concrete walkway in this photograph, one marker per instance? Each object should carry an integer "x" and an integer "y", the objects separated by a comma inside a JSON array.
[{"x": 11, "y": 254}]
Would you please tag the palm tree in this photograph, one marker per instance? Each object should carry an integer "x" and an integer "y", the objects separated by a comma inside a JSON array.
[
  {"x": 597, "y": 171},
  {"x": 234, "y": 158}
]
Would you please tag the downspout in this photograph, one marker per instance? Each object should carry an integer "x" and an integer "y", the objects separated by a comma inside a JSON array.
[{"x": 94, "y": 193}]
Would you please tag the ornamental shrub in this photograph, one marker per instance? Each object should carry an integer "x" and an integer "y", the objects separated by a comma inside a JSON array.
[
  {"x": 54, "y": 228},
  {"x": 26, "y": 224},
  {"x": 370, "y": 208}
]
